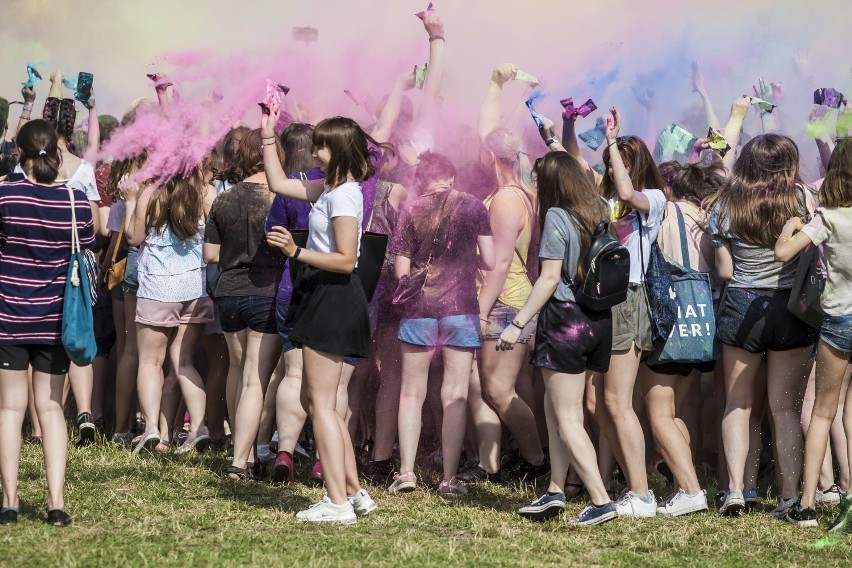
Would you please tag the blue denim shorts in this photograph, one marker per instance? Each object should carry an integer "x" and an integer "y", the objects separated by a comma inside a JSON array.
[
  {"x": 501, "y": 317},
  {"x": 450, "y": 331},
  {"x": 254, "y": 312},
  {"x": 837, "y": 332},
  {"x": 284, "y": 330},
  {"x": 131, "y": 271}
]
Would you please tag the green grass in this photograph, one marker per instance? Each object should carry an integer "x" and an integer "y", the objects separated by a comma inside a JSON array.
[{"x": 179, "y": 511}]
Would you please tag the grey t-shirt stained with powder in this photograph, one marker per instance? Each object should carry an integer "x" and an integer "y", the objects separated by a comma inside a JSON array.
[{"x": 561, "y": 241}]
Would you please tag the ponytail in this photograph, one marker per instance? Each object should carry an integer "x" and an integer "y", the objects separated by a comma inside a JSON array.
[{"x": 39, "y": 151}]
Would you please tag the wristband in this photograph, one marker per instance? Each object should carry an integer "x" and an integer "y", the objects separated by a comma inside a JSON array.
[
  {"x": 434, "y": 37},
  {"x": 516, "y": 324},
  {"x": 269, "y": 144},
  {"x": 297, "y": 253},
  {"x": 268, "y": 137},
  {"x": 611, "y": 143},
  {"x": 552, "y": 140}
]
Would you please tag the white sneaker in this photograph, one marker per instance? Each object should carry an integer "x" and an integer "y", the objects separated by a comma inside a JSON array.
[
  {"x": 784, "y": 507},
  {"x": 830, "y": 496},
  {"x": 682, "y": 503},
  {"x": 733, "y": 504},
  {"x": 632, "y": 505},
  {"x": 327, "y": 512},
  {"x": 362, "y": 503}
]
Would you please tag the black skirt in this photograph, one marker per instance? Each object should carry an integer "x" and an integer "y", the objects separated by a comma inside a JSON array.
[
  {"x": 572, "y": 339},
  {"x": 328, "y": 313}
]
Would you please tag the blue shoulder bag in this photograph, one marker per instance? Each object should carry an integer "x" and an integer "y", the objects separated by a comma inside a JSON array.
[{"x": 78, "y": 329}]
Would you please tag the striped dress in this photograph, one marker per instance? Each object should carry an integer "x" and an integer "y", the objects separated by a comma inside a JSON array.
[{"x": 35, "y": 247}]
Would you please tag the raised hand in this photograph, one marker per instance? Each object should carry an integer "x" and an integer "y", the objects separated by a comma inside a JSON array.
[
  {"x": 740, "y": 107},
  {"x": 645, "y": 97},
  {"x": 698, "y": 80},
  {"x": 29, "y": 94},
  {"x": 763, "y": 90},
  {"x": 268, "y": 120},
  {"x": 613, "y": 125},
  {"x": 433, "y": 24},
  {"x": 503, "y": 73}
]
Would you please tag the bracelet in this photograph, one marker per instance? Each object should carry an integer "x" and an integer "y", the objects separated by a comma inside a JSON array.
[
  {"x": 297, "y": 253},
  {"x": 516, "y": 324},
  {"x": 434, "y": 37},
  {"x": 484, "y": 319},
  {"x": 268, "y": 137},
  {"x": 611, "y": 143},
  {"x": 270, "y": 144},
  {"x": 27, "y": 117}
]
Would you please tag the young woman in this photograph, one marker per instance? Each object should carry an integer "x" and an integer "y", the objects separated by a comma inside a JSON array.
[
  {"x": 830, "y": 227},
  {"x": 245, "y": 293},
  {"x": 512, "y": 209},
  {"x": 633, "y": 181},
  {"x": 37, "y": 228},
  {"x": 572, "y": 343},
  {"x": 172, "y": 305},
  {"x": 329, "y": 309},
  {"x": 667, "y": 386},
  {"x": 764, "y": 190},
  {"x": 438, "y": 237}
]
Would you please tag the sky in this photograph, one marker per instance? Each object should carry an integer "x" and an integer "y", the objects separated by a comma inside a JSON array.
[{"x": 602, "y": 49}]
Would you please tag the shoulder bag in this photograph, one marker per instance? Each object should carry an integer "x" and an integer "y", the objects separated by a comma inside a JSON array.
[{"x": 78, "y": 329}]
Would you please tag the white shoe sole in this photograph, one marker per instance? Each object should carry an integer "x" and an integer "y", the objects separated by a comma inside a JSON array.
[
  {"x": 600, "y": 520},
  {"x": 732, "y": 510},
  {"x": 685, "y": 511},
  {"x": 339, "y": 521},
  {"x": 406, "y": 487},
  {"x": 808, "y": 523},
  {"x": 543, "y": 512}
]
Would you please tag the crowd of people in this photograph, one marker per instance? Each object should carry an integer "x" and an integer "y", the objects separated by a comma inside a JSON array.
[{"x": 348, "y": 293}]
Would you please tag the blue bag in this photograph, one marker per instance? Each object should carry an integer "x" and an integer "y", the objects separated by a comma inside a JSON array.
[
  {"x": 78, "y": 326},
  {"x": 693, "y": 337},
  {"x": 659, "y": 291}
]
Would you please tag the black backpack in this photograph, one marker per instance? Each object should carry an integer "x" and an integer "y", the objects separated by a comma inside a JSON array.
[{"x": 607, "y": 267}]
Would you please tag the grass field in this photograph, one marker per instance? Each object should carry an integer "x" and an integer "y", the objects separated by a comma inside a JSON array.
[{"x": 179, "y": 511}]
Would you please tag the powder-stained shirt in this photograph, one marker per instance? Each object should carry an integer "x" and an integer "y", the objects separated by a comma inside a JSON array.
[
  {"x": 832, "y": 228},
  {"x": 450, "y": 287},
  {"x": 250, "y": 267},
  {"x": 561, "y": 241},
  {"x": 35, "y": 229}
]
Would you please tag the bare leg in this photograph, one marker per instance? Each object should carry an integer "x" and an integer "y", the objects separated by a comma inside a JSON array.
[
  {"x": 181, "y": 355},
  {"x": 457, "y": 364},
  {"x": 128, "y": 366},
  {"x": 787, "y": 374},
  {"x": 740, "y": 370},
  {"x": 415, "y": 376},
  {"x": 839, "y": 437},
  {"x": 290, "y": 416},
  {"x": 500, "y": 370},
  {"x": 342, "y": 407},
  {"x": 216, "y": 350},
  {"x": 48, "y": 399},
  {"x": 82, "y": 379},
  {"x": 618, "y": 386},
  {"x": 31, "y": 408},
  {"x": 390, "y": 384},
  {"x": 489, "y": 429},
  {"x": 152, "y": 343},
  {"x": 14, "y": 393}
]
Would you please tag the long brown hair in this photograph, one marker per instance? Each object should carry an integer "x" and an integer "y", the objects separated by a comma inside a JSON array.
[
  {"x": 563, "y": 183},
  {"x": 692, "y": 182},
  {"x": 119, "y": 168},
  {"x": 836, "y": 189},
  {"x": 178, "y": 204},
  {"x": 349, "y": 147},
  {"x": 763, "y": 191},
  {"x": 638, "y": 159},
  {"x": 296, "y": 141},
  {"x": 248, "y": 157}
]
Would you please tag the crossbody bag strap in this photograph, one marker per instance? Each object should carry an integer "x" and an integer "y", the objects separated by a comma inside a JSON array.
[
  {"x": 120, "y": 236},
  {"x": 681, "y": 226},
  {"x": 75, "y": 241},
  {"x": 435, "y": 235}
]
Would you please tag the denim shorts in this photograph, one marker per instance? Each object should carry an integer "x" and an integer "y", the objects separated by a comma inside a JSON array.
[
  {"x": 501, "y": 317},
  {"x": 131, "y": 271},
  {"x": 284, "y": 330},
  {"x": 837, "y": 332},
  {"x": 450, "y": 331},
  {"x": 254, "y": 312}
]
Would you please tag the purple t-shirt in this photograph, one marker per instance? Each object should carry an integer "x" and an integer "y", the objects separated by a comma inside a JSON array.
[
  {"x": 451, "y": 282},
  {"x": 368, "y": 188},
  {"x": 292, "y": 215}
]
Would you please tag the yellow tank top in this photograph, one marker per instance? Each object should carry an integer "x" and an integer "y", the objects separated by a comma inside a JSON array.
[{"x": 518, "y": 287}]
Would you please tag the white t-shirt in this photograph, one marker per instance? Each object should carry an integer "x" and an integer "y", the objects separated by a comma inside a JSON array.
[
  {"x": 83, "y": 179},
  {"x": 627, "y": 232},
  {"x": 344, "y": 200},
  {"x": 832, "y": 228}
]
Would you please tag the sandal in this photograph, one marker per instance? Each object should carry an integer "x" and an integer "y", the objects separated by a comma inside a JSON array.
[
  {"x": 199, "y": 441},
  {"x": 243, "y": 474},
  {"x": 58, "y": 518}
]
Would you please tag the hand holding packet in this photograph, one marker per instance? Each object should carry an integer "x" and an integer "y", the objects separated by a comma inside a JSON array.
[
  {"x": 765, "y": 106},
  {"x": 420, "y": 75},
  {"x": 422, "y": 15},
  {"x": 594, "y": 137},
  {"x": 829, "y": 97},
  {"x": 33, "y": 76},
  {"x": 717, "y": 142}
]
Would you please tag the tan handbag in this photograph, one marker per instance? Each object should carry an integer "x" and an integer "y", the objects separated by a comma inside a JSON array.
[{"x": 115, "y": 273}]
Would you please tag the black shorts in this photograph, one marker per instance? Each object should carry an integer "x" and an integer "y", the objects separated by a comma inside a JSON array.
[
  {"x": 572, "y": 339},
  {"x": 682, "y": 369},
  {"x": 254, "y": 312},
  {"x": 758, "y": 320},
  {"x": 50, "y": 359},
  {"x": 104, "y": 325}
]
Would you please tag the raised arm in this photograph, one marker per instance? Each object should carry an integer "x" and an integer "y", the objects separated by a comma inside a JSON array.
[
  {"x": 506, "y": 223},
  {"x": 699, "y": 87},
  {"x": 94, "y": 131},
  {"x": 390, "y": 113},
  {"x": 620, "y": 176},
  {"x": 303, "y": 190},
  {"x": 771, "y": 93},
  {"x": 430, "y": 104},
  {"x": 55, "y": 85},
  {"x": 569, "y": 135},
  {"x": 489, "y": 113},
  {"x": 739, "y": 110},
  {"x": 27, "y": 110}
]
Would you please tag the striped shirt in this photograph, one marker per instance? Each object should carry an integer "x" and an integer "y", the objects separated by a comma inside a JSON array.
[{"x": 35, "y": 247}]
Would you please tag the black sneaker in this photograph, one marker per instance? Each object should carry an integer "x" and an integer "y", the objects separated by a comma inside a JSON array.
[
  {"x": 594, "y": 515},
  {"x": 8, "y": 516},
  {"x": 529, "y": 473},
  {"x": 476, "y": 474},
  {"x": 58, "y": 518},
  {"x": 85, "y": 430},
  {"x": 379, "y": 473},
  {"x": 802, "y": 517},
  {"x": 844, "y": 519}
]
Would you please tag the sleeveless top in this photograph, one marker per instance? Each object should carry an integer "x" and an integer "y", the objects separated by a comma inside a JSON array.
[
  {"x": 518, "y": 286},
  {"x": 172, "y": 270}
]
